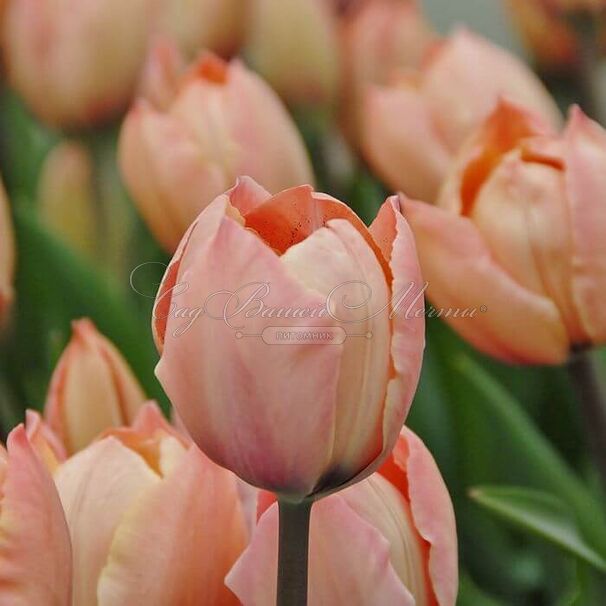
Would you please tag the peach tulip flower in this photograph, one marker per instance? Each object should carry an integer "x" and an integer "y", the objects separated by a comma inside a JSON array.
[
  {"x": 412, "y": 129},
  {"x": 224, "y": 122},
  {"x": 520, "y": 236},
  {"x": 7, "y": 256},
  {"x": 92, "y": 388},
  {"x": 152, "y": 520},
  {"x": 281, "y": 346},
  {"x": 390, "y": 539},
  {"x": 35, "y": 551},
  {"x": 75, "y": 62}
]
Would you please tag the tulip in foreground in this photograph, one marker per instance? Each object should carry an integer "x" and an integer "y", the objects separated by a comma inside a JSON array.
[
  {"x": 280, "y": 348},
  {"x": 521, "y": 232},
  {"x": 92, "y": 388},
  {"x": 390, "y": 539},
  {"x": 412, "y": 129},
  {"x": 223, "y": 122},
  {"x": 7, "y": 256},
  {"x": 152, "y": 520},
  {"x": 35, "y": 552}
]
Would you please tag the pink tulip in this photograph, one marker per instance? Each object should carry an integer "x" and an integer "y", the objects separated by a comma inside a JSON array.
[
  {"x": 520, "y": 237},
  {"x": 390, "y": 539},
  {"x": 7, "y": 256},
  {"x": 176, "y": 161},
  {"x": 325, "y": 409},
  {"x": 44, "y": 440},
  {"x": 412, "y": 129},
  {"x": 35, "y": 552},
  {"x": 152, "y": 520},
  {"x": 92, "y": 389}
]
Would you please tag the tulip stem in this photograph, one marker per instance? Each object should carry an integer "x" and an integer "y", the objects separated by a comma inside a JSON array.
[
  {"x": 293, "y": 553},
  {"x": 585, "y": 378}
]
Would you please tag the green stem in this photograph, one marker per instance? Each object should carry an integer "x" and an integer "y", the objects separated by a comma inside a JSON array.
[
  {"x": 293, "y": 553},
  {"x": 584, "y": 375}
]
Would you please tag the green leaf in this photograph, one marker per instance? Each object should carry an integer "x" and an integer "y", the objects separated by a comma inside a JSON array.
[
  {"x": 542, "y": 514},
  {"x": 471, "y": 595}
]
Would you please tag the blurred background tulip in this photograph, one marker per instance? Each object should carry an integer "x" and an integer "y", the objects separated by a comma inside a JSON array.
[
  {"x": 92, "y": 388},
  {"x": 390, "y": 539},
  {"x": 518, "y": 237},
  {"x": 175, "y": 162},
  {"x": 152, "y": 520},
  {"x": 7, "y": 256},
  {"x": 347, "y": 400},
  {"x": 35, "y": 552},
  {"x": 412, "y": 128}
]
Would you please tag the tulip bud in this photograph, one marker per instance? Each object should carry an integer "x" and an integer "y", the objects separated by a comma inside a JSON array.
[
  {"x": 92, "y": 388},
  {"x": 175, "y": 162},
  {"x": 412, "y": 129},
  {"x": 7, "y": 256},
  {"x": 520, "y": 237},
  {"x": 400, "y": 533},
  {"x": 66, "y": 196},
  {"x": 293, "y": 44},
  {"x": 152, "y": 520},
  {"x": 307, "y": 384},
  {"x": 378, "y": 37},
  {"x": 75, "y": 66},
  {"x": 35, "y": 552}
]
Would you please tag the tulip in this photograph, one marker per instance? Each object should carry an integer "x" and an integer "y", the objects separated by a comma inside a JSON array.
[
  {"x": 378, "y": 37},
  {"x": 152, "y": 520},
  {"x": 75, "y": 63},
  {"x": 66, "y": 196},
  {"x": 176, "y": 162},
  {"x": 7, "y": 256},
  {"x": 35, "y": 552},
  {"x": 412, "y": 129},
  {"x": 390, "y": 539},
  {"x": 520, "y": 237},
  {"x": 256, "y": 271},
  {"x": 44, "y": 440},
  {"x": 92, "y": 388},
  {"x": 294, "y": 45}
]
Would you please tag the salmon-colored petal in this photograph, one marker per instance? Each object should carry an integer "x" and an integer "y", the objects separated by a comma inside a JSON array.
[
  {"x": 7, "y": 255},
  {"x": 35, "y": 553},
  {"x": 254, "y": 382},
  {"x": 349, "y": 561},
  {"x": 400, "y": 141},
  {"x": 97, "y": 486},
  {"x": 463, "y": 275},
  {"x": 178, "y": 542},
  {"x": 585, "y": 156},
  {"x": 44, "y": 440}
]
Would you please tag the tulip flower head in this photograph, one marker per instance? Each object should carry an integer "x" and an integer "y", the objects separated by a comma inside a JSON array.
[
  {"x": 412, "y": 129},
  {"x": 92, "y": 388},
  {"x": 520, "y": 234},
  {"x": 139, "y": 494},
  {"x": 7, "y": 256},
  {"x": 280, "y": 350},
  {"x": 224, "y": 122},
  {"x": 391, "y": 539}
]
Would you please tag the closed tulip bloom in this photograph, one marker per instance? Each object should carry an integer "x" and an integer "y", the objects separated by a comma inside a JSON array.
[
  {"x": 75, "y": 62},
  {"x": 92, "y": 388},
  {"x": 7, "y": 256},
  {"x": 390, "y": 539},
  {"x": 412, "y": 129},
  {"x": 521, "y": 233},
  {"x": 35, "y": 552},
  {"x": 152, "y": 520},
  {"x": 294, "y": 45},
  {"x": 176, "y": 161},
  {"x": 308, "y": 417}
]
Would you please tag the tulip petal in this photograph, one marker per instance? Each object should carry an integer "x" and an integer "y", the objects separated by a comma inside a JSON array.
[
  {"x": 184, "y": 558},
  {"x": 7, "y": 255},
  {"x": 585, "y": 157},
  {"x": 348, "y": 561},
  {"x": 462, "y": 275},
  {"x": 96, "y": 487},
  {"x": 44, "y": 440},
  {"x": 35, "y": 554}
]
